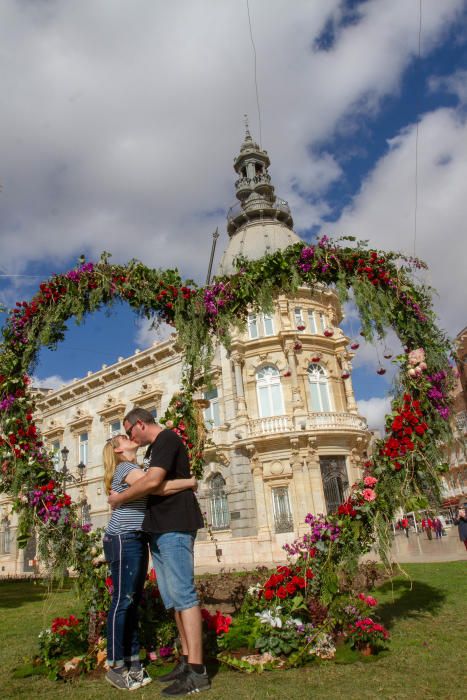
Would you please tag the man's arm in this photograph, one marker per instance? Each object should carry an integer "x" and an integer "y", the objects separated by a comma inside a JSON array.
[{"x": 142, "y": 487}]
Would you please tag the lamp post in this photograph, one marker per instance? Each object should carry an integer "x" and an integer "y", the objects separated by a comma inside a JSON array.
[{"x": 67, "y": 476}]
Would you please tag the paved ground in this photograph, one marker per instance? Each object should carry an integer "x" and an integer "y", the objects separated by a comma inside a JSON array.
[{"x": 418, "y": 548}]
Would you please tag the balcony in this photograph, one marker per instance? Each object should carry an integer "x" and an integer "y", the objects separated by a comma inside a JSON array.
[
  {"x": 270, "y": 426},
  {"x": 314, "y": 421},
  {"x": 335, "y": 421}
]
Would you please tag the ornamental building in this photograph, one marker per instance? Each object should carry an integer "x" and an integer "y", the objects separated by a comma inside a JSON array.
[{"x": 285, "y": 435}]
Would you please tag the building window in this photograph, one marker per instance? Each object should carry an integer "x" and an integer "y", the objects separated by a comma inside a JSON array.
[
  {"x": 56, "y": 454},
  {"x": 83, "y": 448},
  {"x": 319, "y": 389},
  {"x": 298, "y": 317},
  {"x": 252, "y": 326},
  {"x": 211, "y": 413},
  {"x": 335, "y": 481},
  {"x": 218, "y": 505},
  {"x": 5, "y": 538},
  {"x": 260, "y": 325},
  {"x": 283, "y": 521},
  {"x": 312, "y": 322},
  {"x": 115, "y": 428},
  {"x": 322, "y": 321},
  {"x": 268, "y": 324},
  {"x": 269, "y": 389}
]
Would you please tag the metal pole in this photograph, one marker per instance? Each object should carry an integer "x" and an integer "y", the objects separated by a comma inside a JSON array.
[{"x": 215, "y": 236}]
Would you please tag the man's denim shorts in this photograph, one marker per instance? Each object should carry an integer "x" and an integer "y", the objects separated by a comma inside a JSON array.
[{"x": 172, "y": 555}]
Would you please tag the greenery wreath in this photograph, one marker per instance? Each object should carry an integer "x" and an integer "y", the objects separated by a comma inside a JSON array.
[{"x": 406, "y": 462}]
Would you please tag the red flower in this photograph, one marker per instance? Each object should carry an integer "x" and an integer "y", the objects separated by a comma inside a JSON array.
[
  {"x": 281, "y": 592},
  {"x": 291, "y": 588},
  {"x": 268, "y": 594},
  {"x": 309, "y": 574}
]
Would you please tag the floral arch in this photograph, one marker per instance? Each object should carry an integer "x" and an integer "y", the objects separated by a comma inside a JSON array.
[{"x": 406, "y": 462}]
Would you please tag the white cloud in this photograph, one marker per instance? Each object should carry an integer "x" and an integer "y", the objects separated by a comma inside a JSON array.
[
  {"x": 147, "y": 336},
  {"x": 375, "y": 410},
  {"x": 54, "y": 381},
  {"x": 383, "y": 211},
  {"x": 121, "y": 119}
]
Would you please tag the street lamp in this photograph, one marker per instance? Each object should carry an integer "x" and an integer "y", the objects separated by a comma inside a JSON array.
[{"x": 67, "y": 476}]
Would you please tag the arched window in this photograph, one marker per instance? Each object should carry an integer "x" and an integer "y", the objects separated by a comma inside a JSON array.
[
  {"x": 5, "y": 539},
  {"x": 218, "y": 505},
  {"x": 319, "y": 389},
  {"x": 268, "y": 386}
]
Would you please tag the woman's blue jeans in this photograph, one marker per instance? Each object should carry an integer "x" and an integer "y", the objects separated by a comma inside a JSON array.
[{"x": 127, "y": 555}]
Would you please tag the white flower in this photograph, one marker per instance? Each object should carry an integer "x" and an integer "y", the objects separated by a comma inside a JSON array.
[
  {"x": 267, "y": 617},
  {"x": 254, "y": 590}
]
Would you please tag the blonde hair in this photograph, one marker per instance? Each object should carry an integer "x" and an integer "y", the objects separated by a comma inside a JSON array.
[{"x": 111, "y": 460}]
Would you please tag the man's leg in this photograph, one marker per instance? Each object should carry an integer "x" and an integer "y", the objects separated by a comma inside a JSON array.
[{"x": 192, "y": 630}]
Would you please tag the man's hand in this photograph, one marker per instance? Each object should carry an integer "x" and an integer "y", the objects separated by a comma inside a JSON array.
[
  {"x": 114, "y": 499},
  {"x": 194, "y": 485}
]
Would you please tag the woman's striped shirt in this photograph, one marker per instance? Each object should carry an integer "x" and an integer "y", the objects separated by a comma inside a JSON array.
[{"x": 129, "y": 516}]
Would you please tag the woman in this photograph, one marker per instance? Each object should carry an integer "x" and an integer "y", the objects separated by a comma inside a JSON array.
[
  {"x": 461, "y": 522},
  {"x": 126, "y": 550}
]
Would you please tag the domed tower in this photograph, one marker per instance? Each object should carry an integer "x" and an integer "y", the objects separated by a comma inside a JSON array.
[
  {"x": 281, "y": 410},
  {"x": 260, "y": 222}
]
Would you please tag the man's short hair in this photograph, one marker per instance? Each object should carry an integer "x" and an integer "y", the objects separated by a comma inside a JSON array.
[{"x": 137, "y": 414}]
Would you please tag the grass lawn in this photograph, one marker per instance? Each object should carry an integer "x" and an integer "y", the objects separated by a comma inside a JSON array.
[{"x": 426, "y": 617}]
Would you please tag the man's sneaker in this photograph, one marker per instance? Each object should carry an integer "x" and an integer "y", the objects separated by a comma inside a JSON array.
[
  {"x": 122, "y": 681},
  {"x": 189, "y": 684},
  {"x": 140, "y": 675},
  {"x": 177, "y": 672}
]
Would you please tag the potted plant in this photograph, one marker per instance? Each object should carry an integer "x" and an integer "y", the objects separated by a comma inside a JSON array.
[{"x": 367, "y": 636}]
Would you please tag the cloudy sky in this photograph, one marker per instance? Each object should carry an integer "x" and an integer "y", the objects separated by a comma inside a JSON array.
[{"x": 120, "y": 122}]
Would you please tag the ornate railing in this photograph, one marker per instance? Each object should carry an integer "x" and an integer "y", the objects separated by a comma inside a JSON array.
[
  {"x": 277, "y": 205},
  {"x": 269, "y": 426},
  {"x": 335, "y": 421}
]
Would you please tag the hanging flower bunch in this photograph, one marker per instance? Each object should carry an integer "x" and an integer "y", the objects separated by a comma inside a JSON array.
[{"x": 50, "y": 502}]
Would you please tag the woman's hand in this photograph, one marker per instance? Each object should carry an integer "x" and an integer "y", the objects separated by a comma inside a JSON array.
[{"x": 194, "y": 484}]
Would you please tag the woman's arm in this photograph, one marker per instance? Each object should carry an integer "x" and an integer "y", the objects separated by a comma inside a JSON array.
[{"x": 167, "y": 488}]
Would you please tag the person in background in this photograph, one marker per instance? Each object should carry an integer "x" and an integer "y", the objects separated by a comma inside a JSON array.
[
  {"x": 405, "y": 526},
  {"x": 126, "y": 550},
  {"x": 461, "y": 522},
  {"x": 438, "y": 525}
]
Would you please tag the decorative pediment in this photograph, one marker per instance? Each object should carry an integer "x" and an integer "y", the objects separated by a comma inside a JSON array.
[
  {"x": 81, "y": 422},
  {"x": 149, "y": 395},
  {"x": 53, "y": 430},
  {"x": 112, "y": 410}
]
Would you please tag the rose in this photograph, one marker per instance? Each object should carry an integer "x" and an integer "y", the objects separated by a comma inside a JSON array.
[
  {"x": 369, "y": 494},
  {"x": 370, "y": 481}
]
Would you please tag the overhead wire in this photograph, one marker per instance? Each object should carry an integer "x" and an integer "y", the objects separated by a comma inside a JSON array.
[{"x": 255, "y": 74}]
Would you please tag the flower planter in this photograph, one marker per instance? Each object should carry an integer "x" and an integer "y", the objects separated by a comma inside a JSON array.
[
  {"x": 328, "y": 332},
  {"x": 354, "y": 346},
  {"x": 316, "y": 358},
  {"x": 367, "y": 650},
  {"x": 345, "y": 375},
  {"x": 381, "y": 371},
  {"x": 300, "y": 327}
]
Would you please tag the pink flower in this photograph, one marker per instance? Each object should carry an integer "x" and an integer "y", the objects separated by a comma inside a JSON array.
[
  {"x": 370, "y": 481},
  {"x": 370, "y": 601},
  {"x": 416, "y": 356},
  {"x": 369, "y": 494}
]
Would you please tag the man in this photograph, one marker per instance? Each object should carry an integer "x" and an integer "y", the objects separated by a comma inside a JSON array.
[{"x": 172, "y": 522}]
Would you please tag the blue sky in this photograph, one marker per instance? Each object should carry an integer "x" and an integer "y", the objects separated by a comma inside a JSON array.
[{"x": 121, "y": 122}]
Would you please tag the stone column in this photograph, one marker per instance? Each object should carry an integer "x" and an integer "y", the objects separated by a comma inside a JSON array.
[
  {"x": 297, "y": 399},
  {"x": 264, "y": 531},
  {"x": 314, "y": 472},
  {"x": 302, "y": 489},
  {"x": 240, "y": 391}
]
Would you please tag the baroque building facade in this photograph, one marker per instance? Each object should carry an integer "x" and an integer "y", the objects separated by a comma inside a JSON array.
[
  {"x": 286, "y": 438},
  {"x": 455, "y": 480}
]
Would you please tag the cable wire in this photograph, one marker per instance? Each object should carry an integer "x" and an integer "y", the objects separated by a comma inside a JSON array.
[{"x": 255, "y": 72}]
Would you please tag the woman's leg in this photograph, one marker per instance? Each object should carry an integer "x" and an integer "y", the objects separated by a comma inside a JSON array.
[
  {"x": 115, "y": 618},
  {"x": 137, "y": 566}
]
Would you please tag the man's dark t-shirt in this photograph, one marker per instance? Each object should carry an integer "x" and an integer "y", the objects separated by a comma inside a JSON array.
[{"x": 179, "y": 512}]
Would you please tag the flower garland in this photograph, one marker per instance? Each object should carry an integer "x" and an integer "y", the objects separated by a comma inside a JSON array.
[{"x": 406, "y": 462}]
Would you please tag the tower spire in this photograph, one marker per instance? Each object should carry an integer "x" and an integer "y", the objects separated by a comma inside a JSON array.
[{"x": 253, "y": 187}]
